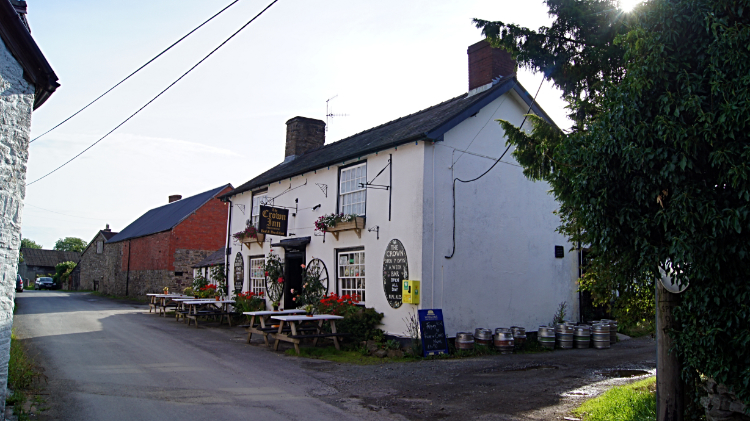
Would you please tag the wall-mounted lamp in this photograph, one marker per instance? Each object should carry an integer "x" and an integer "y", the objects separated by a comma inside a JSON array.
[{"x": 316, "y": 206}]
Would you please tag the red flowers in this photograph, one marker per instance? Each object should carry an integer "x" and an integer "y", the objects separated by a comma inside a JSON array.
[
  {"x": 209, "y": 286},
  {"x": 281, "y": 280},
  {"x": 338, "y": 305},
  {"x": 249, "y": 295},
  {"x": 266, "y": 273}
]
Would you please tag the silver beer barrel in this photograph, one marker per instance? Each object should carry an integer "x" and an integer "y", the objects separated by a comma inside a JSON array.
[
  {"x": 482, "y": 336},
  {"x": 504, "y": 342},
  {"x": 600, "y": 335},
  {"x": 564, "y": 336},
  {"x": 582, "y": 336},
  {"x": 546, "y": 337},
  {"x": 519, "y": 336},
  {"x": 464, "y": 340}
]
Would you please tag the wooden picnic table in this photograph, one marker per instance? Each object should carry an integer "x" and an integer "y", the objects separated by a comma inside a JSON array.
[
  {"x": 263, "y": 316},
  {"x": 162, "y": 301},
  {"x": 193, "y": 310},
  {"x": 296, "y": 322},
  {"x": 181, "y": 311}
]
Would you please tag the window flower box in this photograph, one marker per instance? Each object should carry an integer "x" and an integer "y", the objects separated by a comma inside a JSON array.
[
  {"x": 250, "y": 235},
  {"x": 356, "y": 224}
]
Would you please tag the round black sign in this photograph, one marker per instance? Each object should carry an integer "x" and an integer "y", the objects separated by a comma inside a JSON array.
[
  {"x": 395, "y": 270},
  {"x": 239, "y": 273}
]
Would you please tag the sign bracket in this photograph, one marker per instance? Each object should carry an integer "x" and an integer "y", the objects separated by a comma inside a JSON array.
[{"x": 389, "y": 187}]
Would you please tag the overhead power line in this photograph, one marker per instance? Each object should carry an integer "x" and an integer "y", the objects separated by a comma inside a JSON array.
[
  {"x": 136, "y": 71},
  {"x": 160, "y": 93}
]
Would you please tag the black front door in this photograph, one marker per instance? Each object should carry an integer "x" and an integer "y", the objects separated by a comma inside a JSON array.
[{"x": 293, "y": 261}]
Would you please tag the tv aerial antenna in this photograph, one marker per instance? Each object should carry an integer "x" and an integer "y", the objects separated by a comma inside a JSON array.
[{"x": 329, "y": 111}]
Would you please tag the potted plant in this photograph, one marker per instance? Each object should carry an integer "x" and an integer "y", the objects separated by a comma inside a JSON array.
[
  {"x": 274, "y": 271},
  {"x": 249, "y": 235},
  {"x": 337, "y": 222}
]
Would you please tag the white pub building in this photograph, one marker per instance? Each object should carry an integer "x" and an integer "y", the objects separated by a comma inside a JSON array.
[{"x": 488, "y": 255}]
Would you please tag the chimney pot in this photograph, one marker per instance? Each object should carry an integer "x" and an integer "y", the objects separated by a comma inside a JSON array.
[
  {"x": 174, "y": 198},
  {"x": 107, "y": 229},
  {"x": 303, "y": 134},
  {"x": 487, "y": 63}
]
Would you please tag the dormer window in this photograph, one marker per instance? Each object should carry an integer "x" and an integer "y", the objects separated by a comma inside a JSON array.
[{"x": 352, "y": 193}]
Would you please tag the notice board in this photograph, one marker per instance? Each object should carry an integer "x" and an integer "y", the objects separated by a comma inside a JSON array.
[{"x": 432, "y": 330}]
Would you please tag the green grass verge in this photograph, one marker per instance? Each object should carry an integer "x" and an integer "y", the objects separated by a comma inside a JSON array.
[
  {"x": 23, "y": 378},
  {"x": 632, "y": 402},
  {"x": 330, "y": 353}
]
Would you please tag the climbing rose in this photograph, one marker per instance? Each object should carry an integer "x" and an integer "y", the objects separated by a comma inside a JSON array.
[{"x": 281, "y": 280}]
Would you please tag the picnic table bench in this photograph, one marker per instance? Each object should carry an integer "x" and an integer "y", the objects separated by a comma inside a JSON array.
[
  {"x": 263, "y": 317},
  {"x": 295, "y": 323},
  {"x": 195, "y": 311}
]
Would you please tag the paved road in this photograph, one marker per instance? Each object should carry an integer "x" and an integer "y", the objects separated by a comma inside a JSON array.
[{"x": 108, "y": 360}]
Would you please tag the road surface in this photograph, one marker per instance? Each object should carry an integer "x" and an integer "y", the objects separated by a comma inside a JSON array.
[{"x": 108, "y": 360}]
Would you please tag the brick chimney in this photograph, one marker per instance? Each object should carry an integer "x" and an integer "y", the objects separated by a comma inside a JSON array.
[
  {"x": 487, "y": 63},
  {"x": 174, "y": 198},
  {"x": 303, "y": 134},
  {"x": 107, "y": 229}
]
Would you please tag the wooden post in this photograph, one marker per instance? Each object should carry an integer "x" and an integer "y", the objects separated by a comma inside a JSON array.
[{"x": 670, "y": 389}]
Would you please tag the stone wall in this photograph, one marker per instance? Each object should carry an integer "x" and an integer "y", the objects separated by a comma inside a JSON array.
[
  {"x": 721, "y": 404},
  {"x": 112, "y": 284},
  {"x": 93, "y": 265},
  {"x": 16, "y": 104}
]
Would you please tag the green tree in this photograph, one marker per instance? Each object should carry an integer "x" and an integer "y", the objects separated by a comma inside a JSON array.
[
  {"x": 62, "y": 273},
  {"x": 71, "y": 244},
  {"x": 27, "y": 244},
  {"x": 654, "y": 175}
]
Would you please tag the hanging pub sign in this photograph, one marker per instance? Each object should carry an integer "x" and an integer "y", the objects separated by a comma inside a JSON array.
[
  {"x": 432, "y": 331},
  {"x": 239, "y": 272},
  {"x": 273, "y": 221},
  {"x": 395, "y": 270}
]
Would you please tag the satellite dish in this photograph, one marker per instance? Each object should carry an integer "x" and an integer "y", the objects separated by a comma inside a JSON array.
[{"x": 669, "y": 283}]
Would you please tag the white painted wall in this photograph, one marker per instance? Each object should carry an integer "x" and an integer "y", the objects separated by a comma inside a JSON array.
[
  {"x": 504, "y": 271},
  {"x": 405, "y": 224},
  {"x": 16, "y": 104}
]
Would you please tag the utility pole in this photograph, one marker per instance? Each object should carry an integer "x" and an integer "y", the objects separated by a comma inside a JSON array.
[{"x": 670, "y": 389}]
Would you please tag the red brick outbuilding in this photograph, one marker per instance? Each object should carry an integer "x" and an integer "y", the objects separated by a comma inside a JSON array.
[{"x": 159, "y": 249}]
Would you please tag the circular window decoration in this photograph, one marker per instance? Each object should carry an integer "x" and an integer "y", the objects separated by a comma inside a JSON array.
[
  {"x": 317, "y": 269},
  {"x": 395, "y": 270}
]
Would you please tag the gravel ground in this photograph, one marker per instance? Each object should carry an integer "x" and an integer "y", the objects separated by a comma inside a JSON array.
[{"x": 543, "y": 386}]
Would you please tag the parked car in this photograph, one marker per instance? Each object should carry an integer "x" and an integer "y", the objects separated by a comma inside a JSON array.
[
  {"x": 19, "y": 283},
  {"x": 45, "y": 283}
]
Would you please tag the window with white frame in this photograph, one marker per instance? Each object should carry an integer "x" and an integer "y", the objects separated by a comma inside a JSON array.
[
  {"x": 258, "y": 199},
  {"x": 257, "y": 275},
  {"x": 351, "y": 274},
  {"x": 99, "y": 247},
  {"x": 352, "y": 193}
]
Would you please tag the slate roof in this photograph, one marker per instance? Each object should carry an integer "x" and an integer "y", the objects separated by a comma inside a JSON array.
[
  {"x": 428, "y": 124},
  {"x": 108, "y": 234},
  {"x": 215, "y": 258},
  {"x": 166, "y": 217},
  {"x": 16, "y": 36},
  {"x": 49, "y": 258}
]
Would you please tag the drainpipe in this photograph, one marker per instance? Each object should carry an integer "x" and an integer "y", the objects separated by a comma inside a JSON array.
[
  {"x": 127, "y": 275},
  {"x": 228, "y": 247}
]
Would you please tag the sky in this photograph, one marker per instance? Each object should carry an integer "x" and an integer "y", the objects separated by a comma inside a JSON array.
[{"x": 225, "y": 121}]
